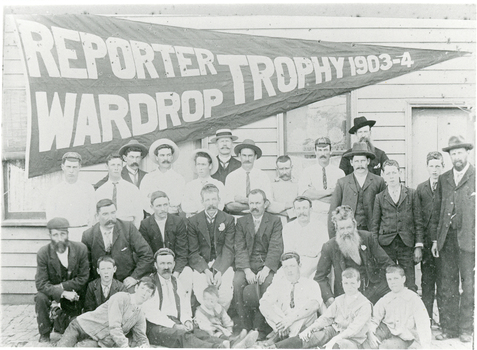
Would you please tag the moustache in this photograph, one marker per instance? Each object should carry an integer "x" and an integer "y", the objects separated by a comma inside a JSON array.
[
  {"x": 60, "y": 246},
  {"x": 254, "y": 210},
  {"x": 360, "y": 167},
  {"x": 135, "y": 164},
  {"x": 210, "y": 207},
  {"x": 166, "y": 271},
  {"x": 323, "y": 156},
  {"x": 224, "y": 147},
  {"x": 247, "y": 162},
  {"x": 110, "y": 222},
  {"x": 165, "y": 162},
  {"x": 303, "y": 214}
]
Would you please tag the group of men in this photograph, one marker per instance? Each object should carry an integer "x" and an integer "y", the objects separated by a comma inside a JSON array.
[{"x": 146, "y": 248}]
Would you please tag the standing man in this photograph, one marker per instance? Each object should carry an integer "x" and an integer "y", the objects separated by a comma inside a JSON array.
[
  {"x": 425, "y": 192},
  {"x": 258, "y": 247},
  {"x": 318, "y": 181},
  {"x": 224, "y": 141},
  {"x": 239, "y": 183},
  {"x": 72, "y": 199},
  {"x": 124, "y": 194},
  {"x": 122, "y": 241},
  {"x": 211, "y": 247},
  {"x": 284, "y": 188},
  {"x": 164, "y": 152},
  {"x": 204, "y": 165},
  {"x": 453, "y": 241},
  {"x": 358, "y": 189},
  {"x": 132, "y": 153},
  {"x": 61, "y": 275},
  {"x": 362, "y": 129}
]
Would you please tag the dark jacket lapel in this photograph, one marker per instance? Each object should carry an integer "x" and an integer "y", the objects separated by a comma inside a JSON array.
[
  {"x": 203, "y": 228},
  {"x": 116, "y": 233},
  {"x": 388, "y": 198},
  {"x": 368, "y": 181},
  {"x": 404, "y": 194},
  {"x": 466, "y": 176},
  {"x": 168, "y": 227},
  {"x": 157, "y": 231},
  {"x": 54, "y": 261},
  {"x": 250, "y": 234},
  {"x": 125, "y": 175},
  {"x": 72, "y": 259},
  {"x": 263, "y": 225},
  {"x": 98, "y": 291}
]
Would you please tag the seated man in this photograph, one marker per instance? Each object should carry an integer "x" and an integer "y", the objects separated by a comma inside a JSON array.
[
  {"x": 290, "y": 304},
  {"x": 108, "y": 325},
  {"x": 344, "y": 323},
  {"x": 352, "y": 248},
  {"x": 168, "y": 314},
  {"x": 100, "y": 290},
  {"x": 399, "y": 318},
  {"x": 61, "y": 275}
]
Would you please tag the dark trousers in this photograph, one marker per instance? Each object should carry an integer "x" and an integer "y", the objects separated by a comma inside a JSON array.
[
  {"x": 178, "y": 338},
  {"x": 403, "y": 256},
  {"x": 429, "y": 280},
  {"x": 318, "y": 339},
  {"x": 375, "y": 291},
  {"x": 42, "y": 310},
  {"x": 388, "y": 340},
  {"x": 73, "y": 335},
  {"x": 249, "y": 318},
  {"x": 457, "y": 310}
]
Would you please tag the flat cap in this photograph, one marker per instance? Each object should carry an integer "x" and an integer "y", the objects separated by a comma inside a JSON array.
[
  {"x": 73, "y": 155},
  {"x": 58, "y": 224},
  {"x": 322, "y": 141}
]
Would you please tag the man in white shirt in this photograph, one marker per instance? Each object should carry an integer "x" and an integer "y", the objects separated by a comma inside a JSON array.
[
  {"x": 318, "y": 181},
  {"x": 168, "y": 313},
  {"x": 304, "y": 236},
  {"x": 204, "y": 165},
  {"x": 72, "y": 199},
  {"x": 246, "y": 178},
  {"x": 284, "y": 189},
  {"x": 125, "y": 195},
  {"x": 290, "y": 304},
  {"x": 164, "y": 152}
]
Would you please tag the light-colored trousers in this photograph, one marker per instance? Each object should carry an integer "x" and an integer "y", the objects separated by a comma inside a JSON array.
[{"x": 199, "y": 283}]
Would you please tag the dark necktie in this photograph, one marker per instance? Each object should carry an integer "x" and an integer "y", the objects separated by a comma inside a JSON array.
[
  {"x": 247, "y": 183},
  {"x": 115, "y": 194},
  {"x": 106, "y": 291},
  {"x": 134, "y": 177},
  {"x": 292, "y": 296},
  {"x": 325, "y": 182},
  {"x": 434, "y": 186}
]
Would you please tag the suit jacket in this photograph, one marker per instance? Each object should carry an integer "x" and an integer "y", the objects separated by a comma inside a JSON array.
[
  {"x": 124, "y": 175},
  {"x": 93, "y": 297},
  {"x": 175, "y": 236},
  {"x": 269, "y": 232},
  {"x": 459, "y": 200},
  {"x": 372, "y": 256},
  {"x": 131, "y": 252},
  {"x": 221, "y": 173},
  {"x": 48, "y": 271},
  {"x": 375, "y": 165},
  {"x": 200, "y": 245},
  {"x": 403, "y": 219},
  {"x": 426, "y": 199},
  {"x": 346, "y": 193}
]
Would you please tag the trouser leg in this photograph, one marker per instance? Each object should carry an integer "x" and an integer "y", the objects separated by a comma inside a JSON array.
[
  {"x": 226, "y": 288},
  {"x": 405, "y": 259},
  {"x": 72, "y": 335},
  {"x": 185, "y": 278},
  {"x": 320, "y": 338},
  {"x": 199, "y": 283},
  {"x": 428, "y": 280},
  {"x": 259, "y": 322},
  {"x": 42, "y": 309},
  {"x": 466, "y": 267},
  {"x": 388, "y": 340},
  {"x": 244, "y": 315}
]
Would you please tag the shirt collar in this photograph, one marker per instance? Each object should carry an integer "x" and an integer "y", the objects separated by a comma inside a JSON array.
[
  {"x": 107, "y": 285},
  {"x": 211, "y": 218},
  {"x": 103, "y": 231},
  {"x": 65, "y": 253},
  {"x": 259, "y": 219},
  {"x": 163, "y": 280},
  {"x": 131, "y": 171}
]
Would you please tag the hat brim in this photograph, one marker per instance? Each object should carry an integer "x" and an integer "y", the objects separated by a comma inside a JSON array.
[
  {"x": 467, "y": 146},
  {"x": 360, "y": 125},
  {"x": 351, "y": 154},
  {"x": 215, "y": 162},
  {"x": 160, "y": 142},
  {"x": 123, "y": 149},
  {"x": 215, "y": 138},
  {"x": 241, "y": 146}
]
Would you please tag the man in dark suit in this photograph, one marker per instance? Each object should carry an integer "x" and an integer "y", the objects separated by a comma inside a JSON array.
[
  {"x": 122, "y": 241},
  {"x": 101, "y": 289},
  {"x": 452, "y": 229},
  {"x": 211, "y": 247},
  {"x": 132, "y": 153},
  {"x": 425, "y": 192},
  {"x": 397, "y": 222},
  {"x": 258, "y": 248},
  {"x": 352, "y": 248},
  {"x": 362, "y": 130},
  {"x": 61, "y": 275},
  {"x": 358, "y": 189},
  {"x": 224, "y": 141}
]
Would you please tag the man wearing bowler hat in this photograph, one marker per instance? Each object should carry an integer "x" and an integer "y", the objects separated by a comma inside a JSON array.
[
  {"x": 224, "y": 141},
  {"x": 362, "y": 130},
  {"x": 452, "y": 228},
  {"x": 246, "y": 178},
  {"x": 164, "y": 152},
  {"x": 132, "y": 153}
]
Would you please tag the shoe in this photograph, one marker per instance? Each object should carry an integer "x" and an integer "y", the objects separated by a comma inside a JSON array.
[
  {"x": 224, "y": 345},
  {"x": 247, "y": 342},
  {"x": 238, "y": 338},
  {"x": 445, "y": 336},
  {"x": 44, "y": 338},
  {"x": 465, "y": 338}
]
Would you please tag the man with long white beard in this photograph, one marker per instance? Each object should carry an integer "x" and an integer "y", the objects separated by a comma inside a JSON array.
[{"x": 352, "y": 248}]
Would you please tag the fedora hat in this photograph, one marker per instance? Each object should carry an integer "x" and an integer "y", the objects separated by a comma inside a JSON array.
[
  {"x": 223, "y": 133},
  {"x": 247, "y": 143},
  {"x": 457, "y": 142},
  {"x": 359, "y": 122},
  {"x": 160, "y": 142},
  {"x": 359, "y": 149},
  {"x": 135, "y": 144},
  {"x": 215, "y": 162}
]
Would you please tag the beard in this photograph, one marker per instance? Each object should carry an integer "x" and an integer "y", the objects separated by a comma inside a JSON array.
[
  {"x": 349, "y": 245},
  {"x": 60, "y": 247},
  {"x": 369, "y": 143}
]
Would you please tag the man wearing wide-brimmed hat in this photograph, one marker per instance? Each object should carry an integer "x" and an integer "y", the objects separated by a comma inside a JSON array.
[
  {"x": 164, "y": 152},
  {"x": 362, "y": 129},
  {"x": 452, "y": 228},
  {"x": 132, "y": 153},
  {"x": 226, "y": 163},
  {"x": 204, "y": 163},
  {"x": 358, "y": 189},
  {"x": 246, "y": 178}
]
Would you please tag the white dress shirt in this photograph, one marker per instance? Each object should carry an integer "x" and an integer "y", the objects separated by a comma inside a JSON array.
[
  {"x": 162, "y": 227},
  {"x": 63, "y": 257},
  {"x": 170, "y": 182},
  {"x": 458, "y": 175},
  {"x": 235, "y": 183},
  {"x": 192, "y": 200},
  {"x": 128, "y": 197}
]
